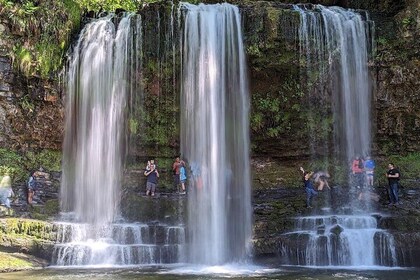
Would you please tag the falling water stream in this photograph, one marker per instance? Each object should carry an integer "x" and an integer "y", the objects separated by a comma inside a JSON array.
[
  {"x": 214, "y": 133},
  {"x": 214, "y": 102},
  {"x": 99, "y": 84},
  {"x": 96, "y": 96},
  {"x": 335, "y": 44},
  {"x": 214, "y": 139}
]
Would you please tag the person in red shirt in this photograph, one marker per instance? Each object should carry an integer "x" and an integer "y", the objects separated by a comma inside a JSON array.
[{"x": 357, "y": 171}]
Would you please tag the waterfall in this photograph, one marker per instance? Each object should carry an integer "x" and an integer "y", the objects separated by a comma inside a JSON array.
[
  {"x": 95, "y": 102},
  {"x": 335, "y": 43},
  {"x": 338, "y": 240},
  {"x": 102, "y": 78},
  {"x": 118, "y": 244},
  {"x": 214, "y": 133},
  {"x": 334, "y": 48}
]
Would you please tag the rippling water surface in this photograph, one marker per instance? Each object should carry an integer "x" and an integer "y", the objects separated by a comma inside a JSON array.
[{"x": 215, "y": 272}]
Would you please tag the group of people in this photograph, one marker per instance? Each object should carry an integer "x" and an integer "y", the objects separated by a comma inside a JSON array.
[
  {"x": 362, "y": 177},
  {"x": 152, "y": 174},
  {"x": 6, "y": 191},
  {"x": 363, "y": 171}
]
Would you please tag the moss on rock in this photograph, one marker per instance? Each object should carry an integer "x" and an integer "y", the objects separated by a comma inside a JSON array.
[{"x": 12, "y": 262}]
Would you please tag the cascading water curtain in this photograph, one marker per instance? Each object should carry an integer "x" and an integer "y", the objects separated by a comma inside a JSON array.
[
  {"x": 335, "y": 44},
  {"x": 95, "y": 102},
  {"x": 215, "y": 133}
]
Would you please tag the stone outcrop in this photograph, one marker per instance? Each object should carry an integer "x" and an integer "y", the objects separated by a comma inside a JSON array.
[
  {"x": 31, "y": 107},
  {"x": 276, "y": 208},
  {"x": 27, "y": 236}
]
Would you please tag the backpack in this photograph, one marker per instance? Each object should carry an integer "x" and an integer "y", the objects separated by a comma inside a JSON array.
[{"x": 32, "y": 183}]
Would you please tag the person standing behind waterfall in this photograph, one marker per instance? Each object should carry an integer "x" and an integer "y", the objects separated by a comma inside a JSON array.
[
  {"x": 393, "y": 175},
  {"x": 152, "y": 180},
  {"x": 309, "y": 187},
  {"x": 175, "y": 169},
  {"x": 357, "y": 170},
  {"x": 369, "y": 167},
  {"x": 31, "y": 187},
  {"x": 182, "y": 176},
  {"x": 320, "y": 179}
]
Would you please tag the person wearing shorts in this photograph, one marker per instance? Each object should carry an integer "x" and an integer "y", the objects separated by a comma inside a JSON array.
[{"x": 152, "y": 180}]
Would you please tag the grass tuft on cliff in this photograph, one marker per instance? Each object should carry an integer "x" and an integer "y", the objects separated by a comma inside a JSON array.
[{"x": 41, "y": 32}]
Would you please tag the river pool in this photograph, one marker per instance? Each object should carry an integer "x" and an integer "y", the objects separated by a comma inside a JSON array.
[{"x": 217, "y": 272}]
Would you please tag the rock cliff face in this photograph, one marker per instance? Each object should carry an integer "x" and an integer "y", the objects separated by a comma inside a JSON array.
[
  {"x": 33, "y": 38},
  {"x": 31, "y": 104},
  {"x": 31, "y": 114}
]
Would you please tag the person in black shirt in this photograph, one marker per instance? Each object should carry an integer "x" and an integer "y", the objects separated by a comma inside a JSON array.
[
  {"x": 309, "y": 187},
  {"x": 152, "y": 179},
  {"x": 393, "y": 175}
]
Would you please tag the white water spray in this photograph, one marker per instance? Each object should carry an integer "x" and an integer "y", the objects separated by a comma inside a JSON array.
[
  {"x": 96, "y": 97},
  {"x": 214, "y": 133},
  {"x": 335, "y": 44}
]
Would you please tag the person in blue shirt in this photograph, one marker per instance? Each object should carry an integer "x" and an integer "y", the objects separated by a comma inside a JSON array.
[
  {"x": 182, "y": 176},
  {"x": 369, "y": 168},
  {"x": 309, "y": 187}
]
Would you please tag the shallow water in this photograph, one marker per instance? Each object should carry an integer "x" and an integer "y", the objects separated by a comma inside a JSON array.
[{"x": 220, "y": 272}]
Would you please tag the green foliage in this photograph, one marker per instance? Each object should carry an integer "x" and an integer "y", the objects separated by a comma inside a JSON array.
[
  {"x": 9, "y": 262},
  {"x": 18, "y": 165},
  {"x": 23, "y": 59},
  {"x": 272, "y": 113},
  {"x": 43, "y": 30},
  {"x": 28, "y": 227},
  {"x": 133, "y": 125},
  {"x": 110, "y": 5},
  {"x": 382, "y": 41},
  {"x": 254, "y": 50},
  {"x": 49, "y": 57},
  {"x": 408, "y": 21},
  {"x": 10, "y": 162},
  {"x": 50, "y": 209},
  {"x": 26, "y": 104},
  {"x": 29, "y": 8},
  {"x": 48, "y": 159},
  {"x": 158, "y": 124},
  {"x": 6, "y": 170}
]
